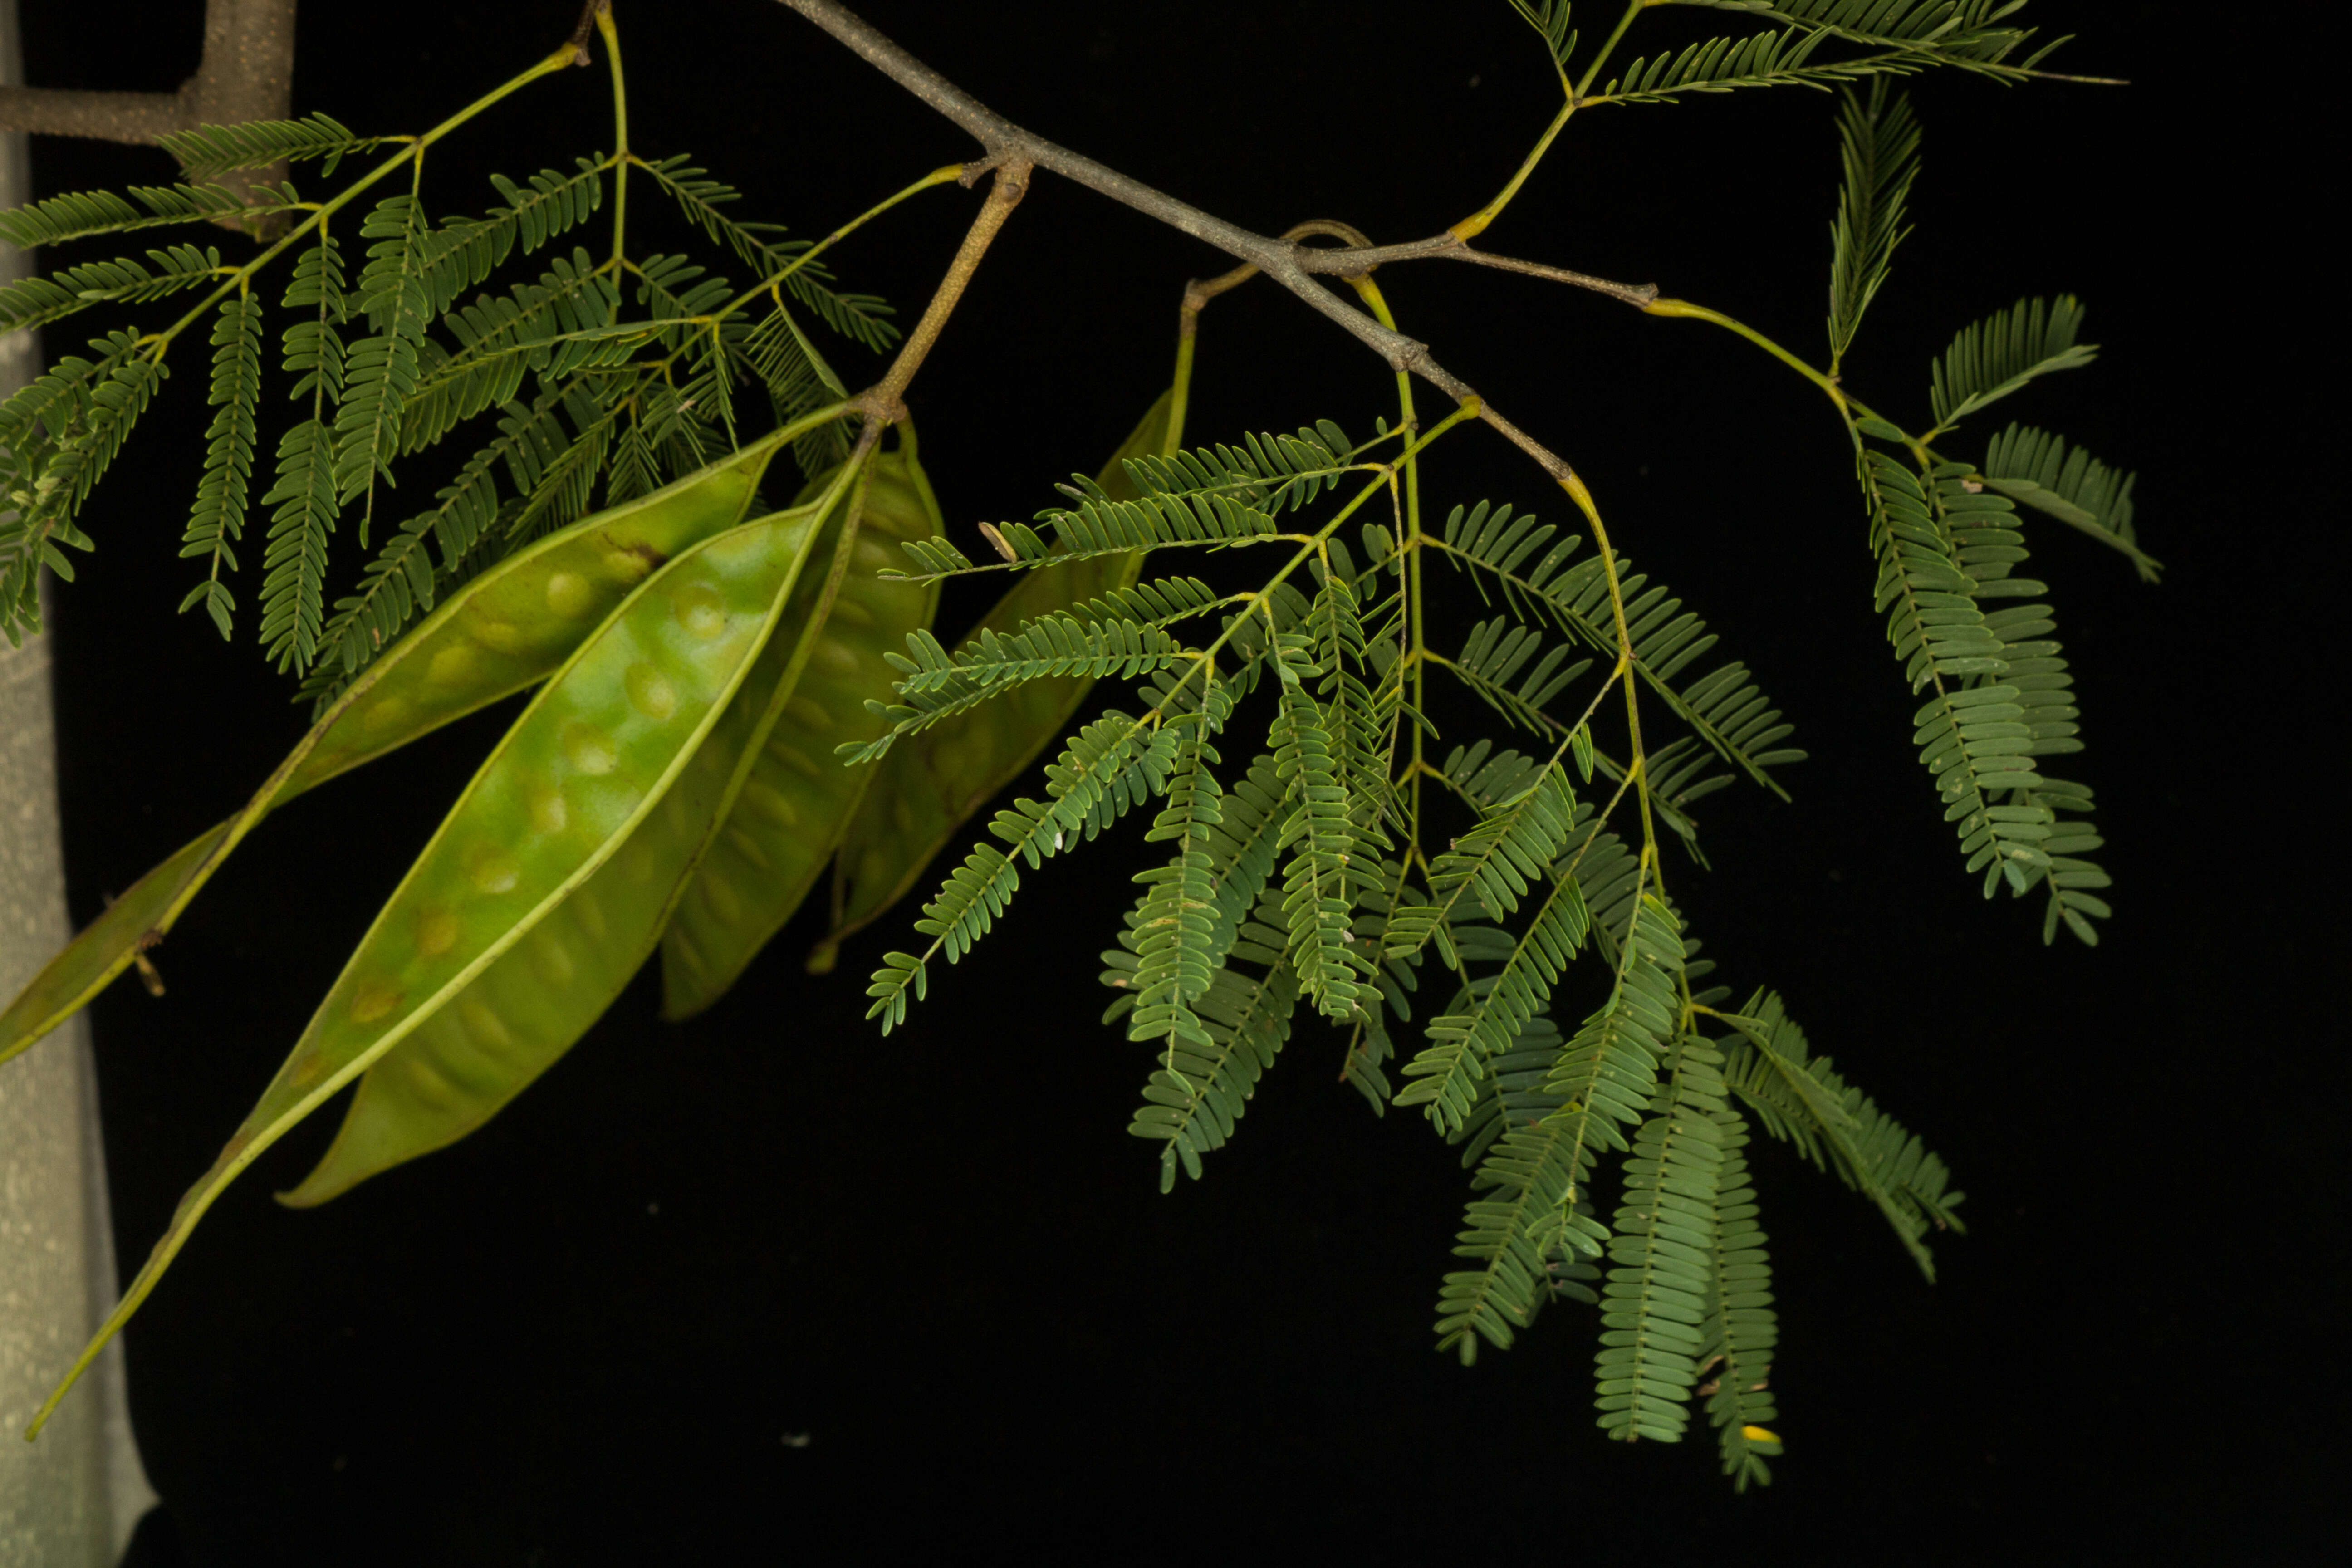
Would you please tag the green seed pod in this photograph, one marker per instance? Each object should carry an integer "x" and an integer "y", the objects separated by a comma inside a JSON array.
[
  {"x": 931, "y": 783},
  {"x": 519, "y": 1015},
  {"x": 799, "y": 797},
  {"x": 587, "y": 761},
  {"x": 502, "y": 632}
]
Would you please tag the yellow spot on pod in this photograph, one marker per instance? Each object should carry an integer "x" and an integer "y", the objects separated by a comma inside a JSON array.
[
  {"x": 903, "y": 813},
  {"x": 837, "y": 656},
  {"x": 372, "y": 1000},
  {"x": 701, "y": 611},
  {"x": 442, "y": 1032},
  {"x": 486, "y": 1027},
  {"x": 871, "y": 867},
  {"x": 642, "y": 858},
  {"x": 495, "y": 871},
  {"x": 385, "y": 713},
  {"x": 436, "y": 933},
  {"x": 453, "y": 665},
  {"x": 569, "y": 594},
  {"x": 590, "y": 914},
  {"x": 685, "y": 948},
  {"x": 548, "y": 812},
  {"x": 499, "y": 636},
  {"x": 849, "y": 612},
  {"x": 749, "y": 848},
  {"x": 794, "y": 758},
  {"x": 308, "y": 1069},
  {"x": 679, "y": 810},
  {"x": 650, "y": 691},
  {"x": 724, "y": 901},
  {"x": 590, "y": 749},
  {"x": 332, "y": 755},
  {"x": 770, "y": 803},
  {"x": 810, "y": 713},
  {"x": 873, "y": 554},
  {"x": 551, "y": 958},
  {"x": 428, "y": 1082}
]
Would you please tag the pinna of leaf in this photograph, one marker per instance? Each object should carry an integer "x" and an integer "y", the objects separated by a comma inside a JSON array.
[{"x": 584, "y": 765}]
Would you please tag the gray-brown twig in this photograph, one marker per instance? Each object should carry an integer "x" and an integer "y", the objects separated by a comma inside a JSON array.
[
  {"x": 1288, "y": 263},
  {"x": 1012, "y": 183}
]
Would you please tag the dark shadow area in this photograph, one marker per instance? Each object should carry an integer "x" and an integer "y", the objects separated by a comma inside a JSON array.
[{"x": 156, "y": 1542}]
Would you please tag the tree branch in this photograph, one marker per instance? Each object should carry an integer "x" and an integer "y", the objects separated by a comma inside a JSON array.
[
  {"x": 1285, "y": 261},
  {"x": 100, "y": 116},
  {"x": 247, "y": 72},
  {"x": 1012, "y": 183},
  {"x": 1003, "y": 139},
  {"x": 248, "y": 69},
  {"x": 1447, "y": 247}
]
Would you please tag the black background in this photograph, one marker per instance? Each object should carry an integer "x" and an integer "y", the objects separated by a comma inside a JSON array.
[{"x": 589, "y": 1330}]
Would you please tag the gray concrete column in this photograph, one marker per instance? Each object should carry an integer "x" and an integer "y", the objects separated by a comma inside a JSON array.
[{"x": 73, "y": 1497}]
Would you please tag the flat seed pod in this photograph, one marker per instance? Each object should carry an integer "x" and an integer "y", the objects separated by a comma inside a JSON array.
[
  {"x": 588, "y": 759},
  {"x": 799, "y": 797},
  {"x": 519, "y": 1017},
  {"x": 504, "y": 630},
  {"x": 109, "y": 945},
  {"x": 930, "y": 785}
]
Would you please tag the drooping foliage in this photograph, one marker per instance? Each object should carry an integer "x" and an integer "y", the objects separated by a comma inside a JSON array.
[
  {"x": 587, "y": 377},
  {"x": 1319, "y": 882},
  {"x": 1490, "y": 931}
]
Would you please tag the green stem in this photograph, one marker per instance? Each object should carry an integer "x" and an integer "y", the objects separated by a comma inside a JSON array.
[
  {"x": 1850, "y": 407},
  {"x": 1477, "y": 223},
  {"x": 1370, "y": 292},
  {"x": 1637, "y": 762},
  {"x": 1822, "y": 379},
  {"x": 1180, "y": 391},
  {"x": 940, "y": 176},
  {"x": 1609, "y": 45},
  {"x": 612, "y": 36},
  {"x": 1600, "y": 820},
  {"x": 1417, "y": 652},
  {"x": 1262, "y": 601}
]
